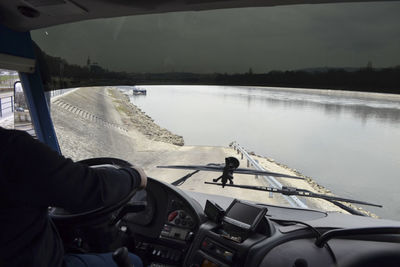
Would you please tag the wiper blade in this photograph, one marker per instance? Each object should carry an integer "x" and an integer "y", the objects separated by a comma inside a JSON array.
[
  {"x": 292, "y": 191},
  {"x": 180, "y": 181},
  {"x": 349, "y": 209},
  {"x": 275, "y": 174},
  {"x": 221, "y": 169},
  {"x": 228, "y": 169}
]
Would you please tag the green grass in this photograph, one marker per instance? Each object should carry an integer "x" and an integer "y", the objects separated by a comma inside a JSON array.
[{"x": 4, "y": 78}]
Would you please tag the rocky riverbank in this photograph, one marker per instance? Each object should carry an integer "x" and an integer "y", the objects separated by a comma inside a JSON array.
[{"x": 141, "y": 121}]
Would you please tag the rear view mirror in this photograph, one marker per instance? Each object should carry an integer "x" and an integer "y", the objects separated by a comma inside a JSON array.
[{"x": 22, "y": 116}]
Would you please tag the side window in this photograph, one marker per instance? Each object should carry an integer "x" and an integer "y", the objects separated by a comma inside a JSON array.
[
  {"x": 14, "y": 110},
  {"x": 7, "y": 99}
]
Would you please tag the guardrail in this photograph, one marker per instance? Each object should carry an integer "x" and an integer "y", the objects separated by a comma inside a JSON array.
[
  {"x": 6, "y": 105},
  {"x": 60, "y": 92},
  {"x": 293, "y": 200}
]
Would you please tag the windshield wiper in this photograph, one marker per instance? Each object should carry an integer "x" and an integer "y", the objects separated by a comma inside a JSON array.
[
  {"x": 221, "y": 168},
  {"x": 230, "y": 167},
  {"x": 292, "y": 191},
  {"x": 180, "y": 181}
]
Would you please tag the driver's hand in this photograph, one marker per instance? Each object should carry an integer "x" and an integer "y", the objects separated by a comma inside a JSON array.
[{"x": 143, "y": 176}]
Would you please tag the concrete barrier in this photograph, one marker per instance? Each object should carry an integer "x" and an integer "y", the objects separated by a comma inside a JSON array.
[{"x": 293, "y": 200}]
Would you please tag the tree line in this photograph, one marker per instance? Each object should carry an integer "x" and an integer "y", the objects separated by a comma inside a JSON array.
[{"x": 58, "y": 73}]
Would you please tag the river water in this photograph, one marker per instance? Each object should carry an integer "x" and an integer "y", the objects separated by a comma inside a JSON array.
[{"x": 347, "y": 142}]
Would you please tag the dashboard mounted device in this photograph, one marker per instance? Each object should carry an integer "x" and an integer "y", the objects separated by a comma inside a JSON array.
[
  {"x": 241, "y": 219},
  {"x": 213, "y": 211}
]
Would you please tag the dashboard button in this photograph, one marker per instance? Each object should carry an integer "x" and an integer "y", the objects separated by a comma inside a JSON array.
[{"x": 172, "y": 216}]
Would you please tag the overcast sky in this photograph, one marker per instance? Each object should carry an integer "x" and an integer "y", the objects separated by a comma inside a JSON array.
[{"x": 234, "y": 40}]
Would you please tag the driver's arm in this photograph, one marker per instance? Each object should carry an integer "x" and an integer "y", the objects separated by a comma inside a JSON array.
[{"x": 39, "y": 176}]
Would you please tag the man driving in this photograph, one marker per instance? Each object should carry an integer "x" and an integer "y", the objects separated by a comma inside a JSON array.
[{"x": 34, "y": 177}]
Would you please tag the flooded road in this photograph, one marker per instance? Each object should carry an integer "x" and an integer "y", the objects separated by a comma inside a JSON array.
[{"x": 348, "y": 142}]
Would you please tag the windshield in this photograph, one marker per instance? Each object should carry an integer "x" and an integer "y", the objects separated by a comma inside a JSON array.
[{"x": 291, "y": 85}]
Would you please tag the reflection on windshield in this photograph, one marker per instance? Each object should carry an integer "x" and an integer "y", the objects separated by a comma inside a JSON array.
[{"x": 320, "y": 46}]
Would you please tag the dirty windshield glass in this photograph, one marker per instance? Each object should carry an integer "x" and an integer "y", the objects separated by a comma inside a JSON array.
[{"x": 304, "y": 90}]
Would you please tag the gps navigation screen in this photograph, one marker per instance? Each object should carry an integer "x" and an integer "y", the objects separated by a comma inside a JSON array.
[{"x": 243, "y": 213}]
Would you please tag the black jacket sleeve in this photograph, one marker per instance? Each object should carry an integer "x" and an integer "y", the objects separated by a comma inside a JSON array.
[{"x": 38, "y": 176}]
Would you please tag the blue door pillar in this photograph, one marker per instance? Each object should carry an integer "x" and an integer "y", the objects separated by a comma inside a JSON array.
[{"x": 20, "y": 44}]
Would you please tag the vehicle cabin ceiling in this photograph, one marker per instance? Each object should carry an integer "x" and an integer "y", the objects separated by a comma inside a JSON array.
[{"x": 25, "y": 15}]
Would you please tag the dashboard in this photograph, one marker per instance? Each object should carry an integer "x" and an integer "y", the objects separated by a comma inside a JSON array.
[
  {"x": 174, "y": 231},
  {"x": 164, "y": 230}
]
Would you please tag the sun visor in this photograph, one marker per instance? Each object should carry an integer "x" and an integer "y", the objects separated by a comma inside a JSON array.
[{"x": 20, "y": 64}]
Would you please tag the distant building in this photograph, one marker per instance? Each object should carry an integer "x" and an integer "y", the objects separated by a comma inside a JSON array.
[{"x": 88, "y": 63}]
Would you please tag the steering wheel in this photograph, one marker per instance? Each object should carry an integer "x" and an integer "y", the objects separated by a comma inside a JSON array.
[{"x": 61, "y": 216}]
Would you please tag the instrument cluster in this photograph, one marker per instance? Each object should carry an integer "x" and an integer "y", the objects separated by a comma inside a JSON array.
[{"x": 179, "y": 223}]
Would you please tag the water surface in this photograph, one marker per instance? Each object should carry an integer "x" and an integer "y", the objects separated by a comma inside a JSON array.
[{"x": 348, "y": 142}]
